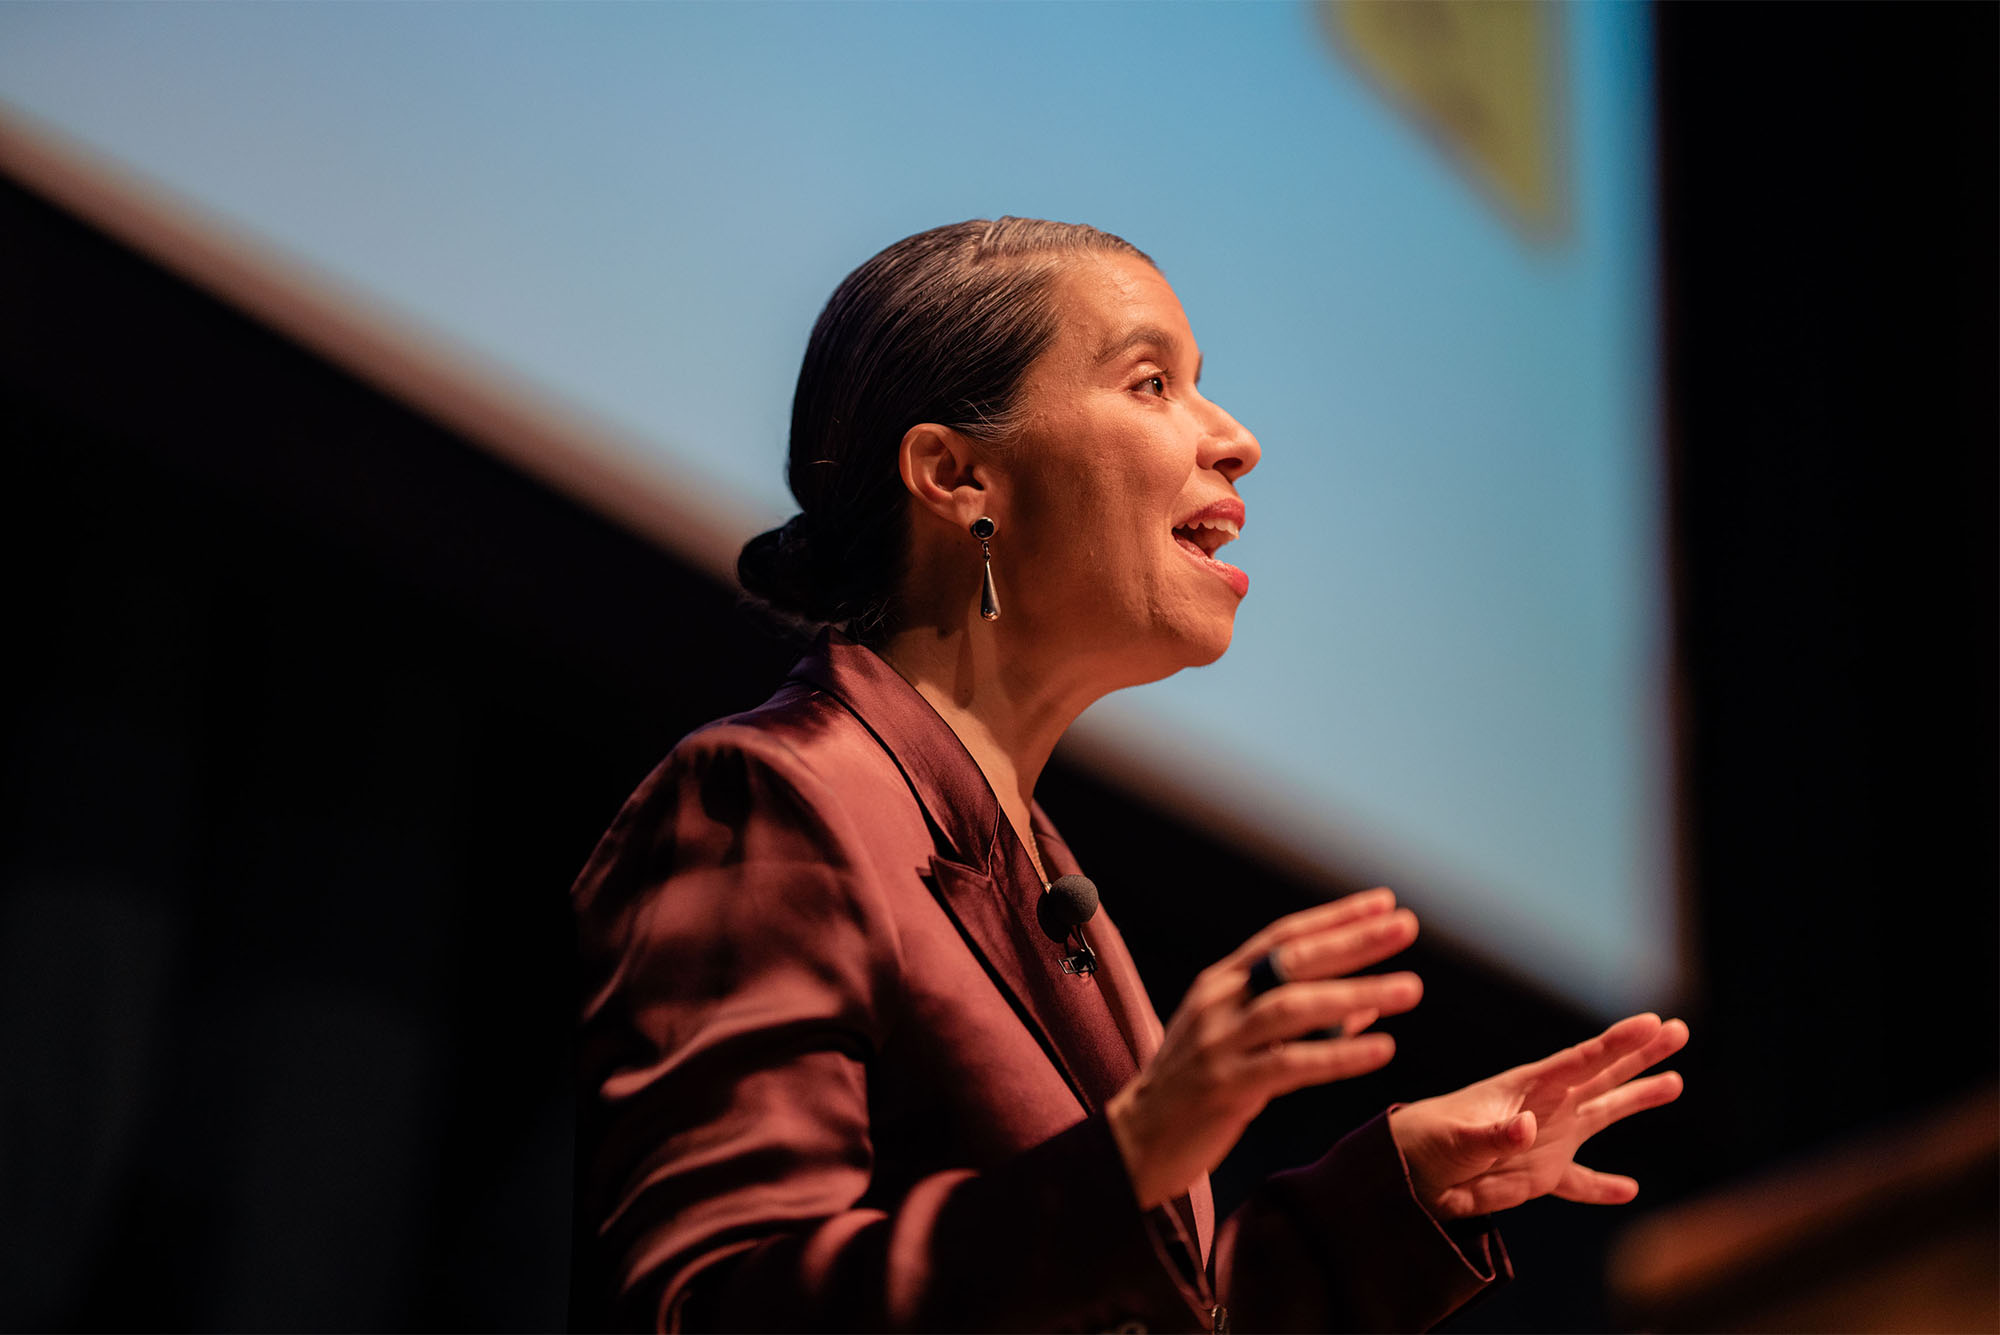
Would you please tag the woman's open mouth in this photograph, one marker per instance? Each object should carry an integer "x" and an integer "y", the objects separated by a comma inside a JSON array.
[{"x": 1201, "y": 535}]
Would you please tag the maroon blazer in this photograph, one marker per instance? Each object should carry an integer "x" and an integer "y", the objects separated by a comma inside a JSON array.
[{"x": 835, "y": 1077}]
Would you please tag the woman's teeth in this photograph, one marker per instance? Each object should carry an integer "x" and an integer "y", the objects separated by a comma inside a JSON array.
[{"x": 1205, "y": 535}]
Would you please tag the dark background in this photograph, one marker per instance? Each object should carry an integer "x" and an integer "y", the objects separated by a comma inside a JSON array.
[{"x": 318, "y": 708}]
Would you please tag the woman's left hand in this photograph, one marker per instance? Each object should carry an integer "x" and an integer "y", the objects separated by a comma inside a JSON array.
[{"x": 1514, "y": 1137}]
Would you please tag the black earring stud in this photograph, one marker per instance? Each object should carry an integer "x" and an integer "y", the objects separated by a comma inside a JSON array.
[{"x": 989, "y": 598}]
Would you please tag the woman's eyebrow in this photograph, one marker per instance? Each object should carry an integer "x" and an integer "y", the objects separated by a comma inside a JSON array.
[
  {"x": 1121, "y": 343},
  {"x": 1133, "y": 338}
]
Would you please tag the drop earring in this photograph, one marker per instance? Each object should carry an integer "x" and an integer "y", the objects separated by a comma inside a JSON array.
[{"x": 989, "y": 599}]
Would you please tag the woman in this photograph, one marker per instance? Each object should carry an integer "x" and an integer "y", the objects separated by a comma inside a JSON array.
[{"x": 837, "y": 1075}]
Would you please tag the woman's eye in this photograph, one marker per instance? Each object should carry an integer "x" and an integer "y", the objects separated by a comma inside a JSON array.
[{"x": 1154, "y": 384}]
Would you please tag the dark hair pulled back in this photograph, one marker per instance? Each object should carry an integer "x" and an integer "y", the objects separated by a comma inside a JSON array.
[{"x": 940, "y": 327}]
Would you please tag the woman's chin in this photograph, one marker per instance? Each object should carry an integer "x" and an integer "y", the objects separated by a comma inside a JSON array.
[
  {"x": 1216, "y": 645},
  {"x": 1207, "y": 636},
  {"x": 1165, "y": 654}
]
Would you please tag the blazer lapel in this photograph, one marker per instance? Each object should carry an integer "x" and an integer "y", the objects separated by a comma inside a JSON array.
[
  {"x": 1117, "y": 977},
  {"x": 981, "y": 872},
  {"x": 1118, "y": 982},
  {"x": 991, "y": 927}
]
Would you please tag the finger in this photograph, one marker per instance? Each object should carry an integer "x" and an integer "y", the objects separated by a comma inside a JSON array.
[
  {"x": 1587, "y": 1186},
  {"x": 1585, "y": 1061},
  {"x": 1671, "y": 1038},
  {"x": 1345, "y": 949},
  {"x": 1348, "y": 908},
  {"x": 1298, "y": 1008},
  {"x": 1356, "y": 1021},
  {"x": 1284, "y": 1067},
  {"x": 1620, "y": 1103}
]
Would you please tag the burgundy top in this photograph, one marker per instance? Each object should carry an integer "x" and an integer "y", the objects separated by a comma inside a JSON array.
[{"x": 835, "y": 1077}]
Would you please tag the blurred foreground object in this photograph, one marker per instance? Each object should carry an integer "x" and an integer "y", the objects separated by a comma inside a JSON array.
[{"x": 1891, "y": 1232}]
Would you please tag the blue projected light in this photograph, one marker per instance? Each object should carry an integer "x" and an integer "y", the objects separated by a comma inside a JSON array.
[{"x": 1450, "y": 672}]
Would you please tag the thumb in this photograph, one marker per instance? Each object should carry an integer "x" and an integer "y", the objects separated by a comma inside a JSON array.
[{"x": 1480, "y": 1147}]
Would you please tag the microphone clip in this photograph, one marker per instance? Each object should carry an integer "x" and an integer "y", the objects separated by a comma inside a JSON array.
[{"x": 1083, "y": 961}]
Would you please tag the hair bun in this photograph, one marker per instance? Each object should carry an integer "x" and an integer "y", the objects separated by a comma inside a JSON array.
[{"x": 777, "y": 567}]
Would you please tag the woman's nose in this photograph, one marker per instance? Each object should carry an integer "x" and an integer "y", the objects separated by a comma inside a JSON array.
[{"x": 1231, "y": 450}]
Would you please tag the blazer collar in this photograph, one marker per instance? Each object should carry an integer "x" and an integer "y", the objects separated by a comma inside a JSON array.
[
  {"x": 982, "y": 873},
  {"x": 947, "y": 781}
]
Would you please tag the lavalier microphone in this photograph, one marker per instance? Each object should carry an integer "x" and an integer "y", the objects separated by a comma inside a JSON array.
[{"x": 1068, "y": 903}]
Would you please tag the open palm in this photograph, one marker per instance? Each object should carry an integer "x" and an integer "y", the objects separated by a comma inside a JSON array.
[{"x": 1514, "y": 1137}]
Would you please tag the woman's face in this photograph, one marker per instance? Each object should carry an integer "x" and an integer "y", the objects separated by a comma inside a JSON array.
[{"x": 1123, "y": 483}]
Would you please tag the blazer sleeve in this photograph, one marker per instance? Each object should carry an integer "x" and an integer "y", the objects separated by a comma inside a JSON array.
[
  {"x": 1344, "y": 1244},
  {"x": 741, "y": 971}
]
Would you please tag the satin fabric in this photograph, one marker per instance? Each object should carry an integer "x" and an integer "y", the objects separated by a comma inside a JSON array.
[{"x": 836, "y": 1078}]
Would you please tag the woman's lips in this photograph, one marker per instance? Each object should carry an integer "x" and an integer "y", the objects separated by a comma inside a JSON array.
[{"x": 1237, "y": 580}]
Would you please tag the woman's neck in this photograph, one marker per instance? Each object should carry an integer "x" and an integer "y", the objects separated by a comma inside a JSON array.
[{"x": 1007, "y": 710}]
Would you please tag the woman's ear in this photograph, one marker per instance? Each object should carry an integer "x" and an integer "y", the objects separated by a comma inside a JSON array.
[{"x": 942, "y": 470}]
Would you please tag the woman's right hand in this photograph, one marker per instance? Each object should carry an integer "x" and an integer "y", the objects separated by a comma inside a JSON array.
[{"x": 1226, "y": 1054}]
